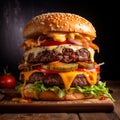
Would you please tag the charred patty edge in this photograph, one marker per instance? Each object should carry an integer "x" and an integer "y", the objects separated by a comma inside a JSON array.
[{"x": 56, "y": 80}]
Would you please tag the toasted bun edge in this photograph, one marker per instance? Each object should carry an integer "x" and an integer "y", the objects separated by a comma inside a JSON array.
[{"x": 58, "y": 22}]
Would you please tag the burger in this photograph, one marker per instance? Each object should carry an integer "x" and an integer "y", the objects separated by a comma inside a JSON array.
[{"x": 58, "y": 59}]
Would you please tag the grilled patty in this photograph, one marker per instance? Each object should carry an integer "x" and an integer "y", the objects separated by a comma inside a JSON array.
[
  {"x": 56, "y": 80},
  {"x": 68, "y": 55}
]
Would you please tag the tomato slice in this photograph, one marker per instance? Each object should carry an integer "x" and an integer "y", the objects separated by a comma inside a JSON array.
[
  {"x": 52, "y": 43},
  {"x": 47, "y": 71}
]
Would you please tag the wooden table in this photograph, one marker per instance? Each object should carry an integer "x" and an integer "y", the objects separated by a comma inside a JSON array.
[{"x": 114, "y": 115}]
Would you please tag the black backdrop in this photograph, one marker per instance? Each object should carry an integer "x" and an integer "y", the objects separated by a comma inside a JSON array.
[{"x": 14, "y": 14}]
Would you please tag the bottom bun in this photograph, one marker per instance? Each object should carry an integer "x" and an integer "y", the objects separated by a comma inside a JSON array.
[{"x": 50, "y": 95}]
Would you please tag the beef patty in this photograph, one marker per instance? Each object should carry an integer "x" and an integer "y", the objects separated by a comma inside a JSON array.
[
  {"x": 68, "y": 55},
  {"x": 56, "y": 80}
]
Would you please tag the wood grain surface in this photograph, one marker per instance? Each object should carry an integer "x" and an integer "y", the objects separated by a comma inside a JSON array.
[{"x": 92, "y": 105}]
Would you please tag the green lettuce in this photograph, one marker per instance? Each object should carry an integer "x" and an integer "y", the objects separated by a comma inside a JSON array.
[{"x": 96, "y": 90}]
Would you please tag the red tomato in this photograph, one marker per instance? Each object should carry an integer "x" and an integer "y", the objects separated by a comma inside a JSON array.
[
  {"x": 7, "y": 81},
  {"x": 47, "y": 71},
  {"x": 52, "y": 43}
]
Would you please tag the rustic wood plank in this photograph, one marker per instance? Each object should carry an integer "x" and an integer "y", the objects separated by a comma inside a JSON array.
[
  {"x": 115, "y": 88},
  {"x": 40, "y": 116},
  {"x": 117, "y": 108},
  {"x": 98, "y": 116},
  {"x": 91, "y": 105},
  {"x": 116, "y": 95}
]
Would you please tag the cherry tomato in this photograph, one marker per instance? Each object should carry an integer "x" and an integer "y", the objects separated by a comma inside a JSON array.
[{"x": 7, "y": 81}]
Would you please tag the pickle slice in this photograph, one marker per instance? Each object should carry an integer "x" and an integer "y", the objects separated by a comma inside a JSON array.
[
  {"x": 45, "y": 66},
  {"x": 86, "y": 64},
  {"x": 60, "y": 66},
  {"x": 63, "y": 66}
]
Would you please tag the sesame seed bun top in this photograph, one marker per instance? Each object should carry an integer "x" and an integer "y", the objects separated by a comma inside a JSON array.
[{"x": 58, "y": 22}]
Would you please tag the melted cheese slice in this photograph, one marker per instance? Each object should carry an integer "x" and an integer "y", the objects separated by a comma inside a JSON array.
[
  {"x": 61, "y": 37},
  {"x": 57, "y": 49},
  {"x": 67, "y": 77},
  {"x": 58, "y": 37},
  {"x": 27, "y": 74}
]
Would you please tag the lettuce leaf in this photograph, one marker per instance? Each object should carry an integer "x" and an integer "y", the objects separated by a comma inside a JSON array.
[{"x": 96, "y": 90}]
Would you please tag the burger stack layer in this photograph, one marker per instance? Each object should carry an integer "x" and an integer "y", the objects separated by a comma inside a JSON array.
[{"x": 58, "y": 60}]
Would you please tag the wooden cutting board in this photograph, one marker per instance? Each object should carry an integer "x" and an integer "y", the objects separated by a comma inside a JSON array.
[
  {"x": 57, "y": 106},
  {"x": 88, "y": 105}
]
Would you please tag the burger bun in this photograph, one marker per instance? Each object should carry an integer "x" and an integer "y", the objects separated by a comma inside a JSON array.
[{"x": 58, "y": 22}]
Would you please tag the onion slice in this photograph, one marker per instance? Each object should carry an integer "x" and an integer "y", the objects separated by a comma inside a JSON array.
[
  {"x": 98, "y": 65},
  {"x": 73, "y": 41}
]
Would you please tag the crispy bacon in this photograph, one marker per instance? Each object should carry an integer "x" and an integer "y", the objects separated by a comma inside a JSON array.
[{"x": 83, "y": 41}]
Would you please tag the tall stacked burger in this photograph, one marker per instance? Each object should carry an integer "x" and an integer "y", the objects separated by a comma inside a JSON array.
[{"x": 58, "y": 60}]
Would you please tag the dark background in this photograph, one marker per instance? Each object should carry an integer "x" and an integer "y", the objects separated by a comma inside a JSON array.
[{"x": 14, "y": 14}]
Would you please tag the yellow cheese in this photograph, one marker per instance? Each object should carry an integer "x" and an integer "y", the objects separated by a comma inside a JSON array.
[
  {"x": 61, "y": 37},
  {"x": 22, "y": 89},
  {"x": 68, "y": 77},
  {"x": 58, "y": 37},
  {"x": 27, "y": 74},
  {"x": 92, "y": 77},
  {"x": 26, "y": 77}
]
